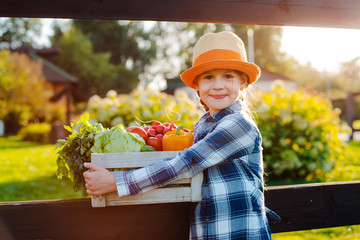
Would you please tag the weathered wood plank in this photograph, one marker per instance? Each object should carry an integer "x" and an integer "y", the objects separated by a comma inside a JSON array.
[
  {"x": 312, "y": 206},
  {"x": 320, "y": 13},
  {"x": 130, "y": 159},
  {"x": 301, "y": 207},
  {"x": 76, "y": 219}
]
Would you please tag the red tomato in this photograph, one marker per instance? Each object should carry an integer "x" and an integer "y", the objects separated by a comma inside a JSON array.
[
  {"x": 155, "y": 143},
  {"x": 138, "y": 130}
]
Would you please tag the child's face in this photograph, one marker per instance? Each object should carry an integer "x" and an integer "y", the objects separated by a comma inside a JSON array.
[{"x": 219, "y": 88}]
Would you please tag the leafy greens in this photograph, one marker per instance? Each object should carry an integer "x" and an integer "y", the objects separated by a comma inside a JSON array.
[{"x": 87, "y": 138}]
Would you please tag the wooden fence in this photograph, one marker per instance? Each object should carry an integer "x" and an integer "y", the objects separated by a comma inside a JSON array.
[{"x": 301, "y": 207}]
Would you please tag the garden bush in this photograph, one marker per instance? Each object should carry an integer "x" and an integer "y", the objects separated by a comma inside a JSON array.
[
  {"x": 300, "y": 133},
  {"x": 36, "y": 132},
  {"x": 145, "y": 105}
]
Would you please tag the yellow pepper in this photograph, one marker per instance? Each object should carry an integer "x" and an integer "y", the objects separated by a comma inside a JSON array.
[{"x": 177, "y": 140}]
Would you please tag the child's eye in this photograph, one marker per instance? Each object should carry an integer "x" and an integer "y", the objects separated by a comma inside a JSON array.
[
  {"x": 207, "y": 77},
  {"x": 228, "y": 76}
]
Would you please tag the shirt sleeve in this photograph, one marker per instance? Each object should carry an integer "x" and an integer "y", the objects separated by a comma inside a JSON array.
[{"x": 233, "y": 136}]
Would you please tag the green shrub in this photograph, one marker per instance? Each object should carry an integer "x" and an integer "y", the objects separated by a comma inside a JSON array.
[
  {"x": 300, "y": 133},
  {"x": 36, "y": 132},
  {"x": 145, "y": 105}
]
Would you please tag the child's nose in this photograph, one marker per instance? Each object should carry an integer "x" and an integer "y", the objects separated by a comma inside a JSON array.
[{"x": 218, "y": 83}]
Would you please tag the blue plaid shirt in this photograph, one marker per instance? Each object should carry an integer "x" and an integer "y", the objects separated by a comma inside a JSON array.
[{"x": 227, "y": 149}]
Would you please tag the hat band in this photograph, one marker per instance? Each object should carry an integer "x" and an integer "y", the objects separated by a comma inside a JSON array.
[{"x": 218, "y": 54}]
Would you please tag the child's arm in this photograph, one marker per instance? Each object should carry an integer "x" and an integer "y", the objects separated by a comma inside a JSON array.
[
  {"x": 98, "y": 180},
  {"x": 232, "y": 137}
]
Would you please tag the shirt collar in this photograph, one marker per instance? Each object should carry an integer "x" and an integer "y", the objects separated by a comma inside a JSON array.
[{"x": 235, "y": 107}]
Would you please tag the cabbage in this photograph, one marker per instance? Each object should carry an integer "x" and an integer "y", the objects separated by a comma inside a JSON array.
[{"x": 117, "y": 140}]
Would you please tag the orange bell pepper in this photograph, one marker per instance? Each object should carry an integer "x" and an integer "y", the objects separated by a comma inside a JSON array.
[{"x": 177, "y": 140}]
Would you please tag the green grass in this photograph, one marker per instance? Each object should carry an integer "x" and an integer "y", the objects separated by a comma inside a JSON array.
[
  {"x": 28, "y": 172},
  {"x": 338, "y": 233}
]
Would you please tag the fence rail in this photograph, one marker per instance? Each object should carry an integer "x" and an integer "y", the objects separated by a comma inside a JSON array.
[
  {"x": 315, "y": 13},
  {"x": 301, "y": 207}
]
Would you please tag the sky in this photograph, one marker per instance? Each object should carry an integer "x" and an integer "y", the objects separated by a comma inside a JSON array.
[{"x": 324, "y": 48}]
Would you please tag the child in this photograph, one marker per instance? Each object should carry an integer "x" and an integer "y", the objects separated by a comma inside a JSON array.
[{"x": 227, "y": 149}]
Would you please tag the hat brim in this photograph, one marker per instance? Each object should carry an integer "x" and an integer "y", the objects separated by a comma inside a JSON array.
[{"x": 251, "y": 69}]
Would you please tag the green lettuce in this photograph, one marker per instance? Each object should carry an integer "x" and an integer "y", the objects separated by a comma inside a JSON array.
[{"x": 117, "y": 140}]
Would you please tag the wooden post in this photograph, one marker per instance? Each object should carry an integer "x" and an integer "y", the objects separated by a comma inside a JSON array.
[{"x": 350, "y": 111}]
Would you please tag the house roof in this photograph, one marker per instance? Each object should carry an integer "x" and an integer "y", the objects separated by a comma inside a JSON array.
[
  {"x": 51, "y": 72},
  {"x": 172, "y": 84}
]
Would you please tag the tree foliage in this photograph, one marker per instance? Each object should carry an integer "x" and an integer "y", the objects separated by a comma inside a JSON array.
[
  {"x": 16, "y": 32},
  {"x": 23, "y": 94},
  {"x": 127, "y": 42},
  {"x": 349, "y": 75},
  {"x": 95, "y": 73},
  {"x": 267, "y": 43}
]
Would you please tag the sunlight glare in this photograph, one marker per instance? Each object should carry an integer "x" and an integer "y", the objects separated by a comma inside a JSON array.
[{"x": 324, "y": 48}]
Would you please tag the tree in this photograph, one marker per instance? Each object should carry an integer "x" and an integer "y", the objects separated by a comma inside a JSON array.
[
  {"x": 267, "y": 42},
  {"x": 16, "y": 32},
  {"x": 127, "y": 42},
  {"x": 95, "y": 73},
  {"x": 23, "y": 95},
  {"x": 349, "y": 75}
]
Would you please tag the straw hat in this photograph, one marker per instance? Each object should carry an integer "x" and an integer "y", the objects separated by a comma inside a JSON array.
[{"x": 224, "y": 50}]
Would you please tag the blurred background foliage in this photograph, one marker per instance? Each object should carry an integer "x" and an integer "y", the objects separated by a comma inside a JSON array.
[
  {"x": 128, "y": 54},
  {"x": 23, "y": 95},
  {"x": 117, "y": 62},
  {"x": 140, "y": 107},
  {"x": 300, "y": 133}
]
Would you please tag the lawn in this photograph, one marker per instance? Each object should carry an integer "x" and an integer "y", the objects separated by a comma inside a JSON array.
[{"x": 27, "y": 172}]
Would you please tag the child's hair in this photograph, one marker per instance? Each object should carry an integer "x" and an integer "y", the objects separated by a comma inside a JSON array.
[{"x": 243, "y": 94}]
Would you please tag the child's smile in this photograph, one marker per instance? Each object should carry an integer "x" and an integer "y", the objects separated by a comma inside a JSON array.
[{"x": 219, "y": 88}]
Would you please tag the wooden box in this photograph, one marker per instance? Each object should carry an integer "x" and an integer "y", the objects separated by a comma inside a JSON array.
[{"x": 186, "y": 190}]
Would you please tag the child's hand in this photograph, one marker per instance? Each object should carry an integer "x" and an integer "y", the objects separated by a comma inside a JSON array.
[{"x": 98, "y": 180}]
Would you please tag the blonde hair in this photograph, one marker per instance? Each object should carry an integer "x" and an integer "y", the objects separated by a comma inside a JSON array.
[{"x": 243, "y": 93}]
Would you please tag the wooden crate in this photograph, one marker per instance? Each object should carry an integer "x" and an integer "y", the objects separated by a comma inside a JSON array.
[{"x": 191, "y": 192}]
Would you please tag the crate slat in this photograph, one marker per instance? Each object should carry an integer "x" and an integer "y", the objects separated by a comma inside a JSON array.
[
  {"x": 160, "y": 195},
  {"x": 131, "y": 159}
]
